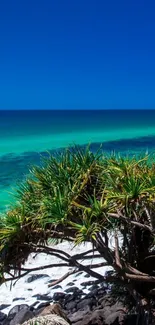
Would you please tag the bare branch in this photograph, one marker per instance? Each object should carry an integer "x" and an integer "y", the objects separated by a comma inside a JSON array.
[
  {"x": 27, "y": 271},
  {"x": 128, "y": 221},
  {"x": 62, "y": 278},
  {"x": 117, "y": 256},
  {"x": 144, "y": 278}
]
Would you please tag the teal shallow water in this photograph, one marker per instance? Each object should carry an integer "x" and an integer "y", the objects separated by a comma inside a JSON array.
[{"x": 25, "y": 135}]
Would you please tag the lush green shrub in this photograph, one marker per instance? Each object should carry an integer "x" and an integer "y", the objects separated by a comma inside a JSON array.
[{"x": 81, "y": 196}]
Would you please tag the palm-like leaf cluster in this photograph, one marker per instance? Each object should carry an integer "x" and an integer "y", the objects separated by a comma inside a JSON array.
[{"x": 81, "y": 196}]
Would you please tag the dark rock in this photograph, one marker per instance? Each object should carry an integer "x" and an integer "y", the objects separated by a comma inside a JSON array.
[
  {"x": 53, "y": 309},
  {"x": 94, "y": 287},
  {"x": 57, "y": 287},
  {"x": 87, "y": 275},
  {"x": 115, "y": 318},
  {"x": 17, "y": 308},
  {"x": 70, "y": 305},
  {"x": 87, "y": 283},
  {"x": 14, "y": 311},
  {"x": 16, "y": 299},
  {"x": 34, "y": 277},
  {"x": 21, "y": 317},
  {"x": 33, "y": 305},
  {"x": 101, "y": 292},
  {"x": 58, "y": 296},
  {"x": 92, "y": 318},
  {"x": 43, "y": 297},
  {"x": 79, "y": 273},
  {"x": 3, "y": 306},
  {"x": 43, "y": 305},
  {"x": 2, "y": 317},
  {"x": 30, "y": 289},
  {"x": 92, "y": 294},
  {"x": 90, "y": 302},
  {"x": 51, "y": 281},
  {"x": 69, "y": 298},
  {"x": 70, "y": 284},
  {"x": 78, "y": 315},
  {"x": 73, "y": 289}
]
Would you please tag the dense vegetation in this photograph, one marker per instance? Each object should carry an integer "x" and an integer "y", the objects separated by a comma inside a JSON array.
[{"x": 81, "y": 196}]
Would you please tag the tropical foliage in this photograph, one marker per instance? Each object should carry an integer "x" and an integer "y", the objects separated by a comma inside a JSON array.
[{"x": 81, "y": 196}]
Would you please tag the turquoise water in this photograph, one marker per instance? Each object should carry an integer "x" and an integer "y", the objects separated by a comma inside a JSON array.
[{"x": 25, "y": 135}]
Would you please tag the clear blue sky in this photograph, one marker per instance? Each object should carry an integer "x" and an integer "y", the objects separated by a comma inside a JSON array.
[{"x": 77, "y": 54}]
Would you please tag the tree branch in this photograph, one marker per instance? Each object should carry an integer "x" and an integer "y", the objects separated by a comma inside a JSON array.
[{"x": 62, "y": 278}]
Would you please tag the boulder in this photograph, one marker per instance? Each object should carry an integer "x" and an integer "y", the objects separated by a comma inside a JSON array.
[
  {"x": 16, "y": 299},
  {"x": 48, "y": 320},
  {"x": 3, "y": 317},
  {"x": 70, "y": 284},
  {"x": 42, "y": 304},
  {"x": 58, "y": 296},
  {"x": 90, "y": 302},
  {"x": 73, "y": 289},
  {"x": 3, "y": 306},
  {"x": 21, "y": 317},
  {"x": 43, "y": 297},
  {"x": 15, "y": 311},
  {"x": 92, "y": 318},
  {"x": 53, "y": 309},
  {"x": 79, "y": 315},
  {"x": 57, "y": 287},
  {"x": 70, "y": 305}
]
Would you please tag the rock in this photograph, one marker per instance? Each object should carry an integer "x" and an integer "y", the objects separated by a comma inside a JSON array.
[
  {"x": 51, "y": 281},
  {"x": 69, "y": 298},
  {"x": 58, "y": 296},
  {"x": 15, "y": 311},
  {"x": 114, "y": 318},
  {"x": 53, "y": 309},
  {"x": 94, "y": 287},
  {"x": 43, "y": 297},
  {"x": 79, "y": 273},
  {"x": 48, "y": 319},
  {"x": 16, "y": 299},
  {"x": 3, "y": 317},
  {"x": 17, "y": 308},
  {"x": 21, "y": 317},
  {"x": 90, "y": 302},
  {"x": 93, "y": 318},
  {"x": 42, "y": 305},
  {"x": 3, "y": 306},
  {"x": 74, "y": 290},
  {"x": 101, "y": 292},
  {"x": 33, "y": 305},
  {"x": 34, "y": 277},
  {"x": 87, "y": 283},
  {"x": 70, "y": 305},
  {"x": 70, "y": 284},
  {"x": 87, "y": 275},
  {"x": 78, "y": 315},
  {"x": 57, "y": 287}
]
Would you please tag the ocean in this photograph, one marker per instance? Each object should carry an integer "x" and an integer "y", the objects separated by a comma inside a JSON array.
[{"x": 27, "y": 135}]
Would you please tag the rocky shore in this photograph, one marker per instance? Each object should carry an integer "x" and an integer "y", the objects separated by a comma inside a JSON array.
[
  {"x": 95, "y": 308},
  {"x": 80, "y": 298}
]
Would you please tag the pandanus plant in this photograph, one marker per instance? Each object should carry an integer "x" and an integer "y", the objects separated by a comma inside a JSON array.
[{"x": 82, "y": 197}]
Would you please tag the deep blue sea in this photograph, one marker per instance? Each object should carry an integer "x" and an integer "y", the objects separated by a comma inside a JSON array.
[{"x": 26, "y": 135}]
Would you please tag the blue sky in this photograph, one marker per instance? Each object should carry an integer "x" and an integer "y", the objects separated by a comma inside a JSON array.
[{"x": 77, "y": 54}]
